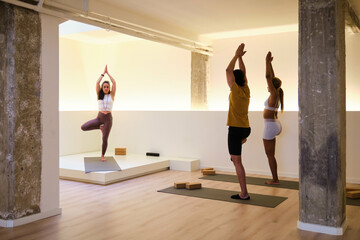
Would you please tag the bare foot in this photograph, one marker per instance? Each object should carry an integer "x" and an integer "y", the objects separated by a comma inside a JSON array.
[
  {"x": 244, "y": 196},
  {"x": 241, "y": 196},
  {"x": 102, "y": 129},
  {"x": 272, "y": 182},
  {"x": 103, "y": 159},
  {"x": 244, "y": 141}
]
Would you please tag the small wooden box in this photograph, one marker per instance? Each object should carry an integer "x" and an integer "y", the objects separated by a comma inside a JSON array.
[
  {"x": 180, "y": 184},
  {"x": 120, "y": 151},
  {"x": 204, "y": 169},
  {"x": 192, "y": 186},
  {"x": 209, "y": 172}
]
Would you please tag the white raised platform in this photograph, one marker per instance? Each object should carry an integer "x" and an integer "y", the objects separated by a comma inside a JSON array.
[{"x": 132, "y": 165}]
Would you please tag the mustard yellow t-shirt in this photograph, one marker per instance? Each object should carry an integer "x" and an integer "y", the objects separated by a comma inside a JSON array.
[{"x": 239, "y": 100}]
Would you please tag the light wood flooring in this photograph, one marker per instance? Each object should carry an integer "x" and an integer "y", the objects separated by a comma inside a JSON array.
[{"x": 133, "y": 209}]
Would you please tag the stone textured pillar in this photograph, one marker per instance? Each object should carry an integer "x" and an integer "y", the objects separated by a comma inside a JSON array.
[
  {"x": 322, "y": 115},
  {"x": 199, "y": 80},
  {"x": 20, "y": 115}
]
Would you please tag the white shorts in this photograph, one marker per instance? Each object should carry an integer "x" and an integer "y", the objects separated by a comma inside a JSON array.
[{"x": 272, "y": 128}]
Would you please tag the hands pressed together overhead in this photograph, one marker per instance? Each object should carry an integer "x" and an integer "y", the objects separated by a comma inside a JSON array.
[
  {"x": 269, "y": 57},
  {"x": 240, "y": 51},
  {"x": 105, "y": 70}
]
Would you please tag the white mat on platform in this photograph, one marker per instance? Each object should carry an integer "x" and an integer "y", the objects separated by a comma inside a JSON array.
[{"x": 132, "y": 165}]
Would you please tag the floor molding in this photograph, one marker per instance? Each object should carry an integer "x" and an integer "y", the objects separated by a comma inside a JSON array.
[
  {"x": 338, "y": 231},
  {"x": 28, "y": 219}
]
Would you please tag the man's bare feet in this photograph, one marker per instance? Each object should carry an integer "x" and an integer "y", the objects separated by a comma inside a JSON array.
[
  {"x": 103, "y": 159},
  {"x": 272, "y": 182},
  {"x": 241, "y": 196},
  {"x": 244, "y": 141},
  {"x": 102, "y": 129}
]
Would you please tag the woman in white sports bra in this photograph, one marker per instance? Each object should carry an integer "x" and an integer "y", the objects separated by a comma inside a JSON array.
[
  {"x": 103, "y": 121},
  {"x": 272, "y": 126}
]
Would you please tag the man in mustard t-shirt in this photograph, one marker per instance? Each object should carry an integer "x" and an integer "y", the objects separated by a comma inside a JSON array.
[{"x": 238, "y": 122}]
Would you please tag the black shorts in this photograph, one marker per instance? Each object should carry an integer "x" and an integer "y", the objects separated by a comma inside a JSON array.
[{"x": 235, "y": 137}]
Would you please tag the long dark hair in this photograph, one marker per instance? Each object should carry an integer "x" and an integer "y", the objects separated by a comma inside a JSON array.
[
  {"x": 101, "y": 92},
  {"x": 277, "y": 84}
]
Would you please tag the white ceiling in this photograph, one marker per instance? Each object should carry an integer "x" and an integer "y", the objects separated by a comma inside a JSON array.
[
  {"x": 209, "y": 18},
  {"x": 91, "y": 34},
  {"x": 213, "y": 16}
]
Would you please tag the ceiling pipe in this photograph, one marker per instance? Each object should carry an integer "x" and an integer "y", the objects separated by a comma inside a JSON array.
[
  {"x": 86, "y": 6},
  {"x": 40, "y": 4},
  {"x": 106, "y": 22}
]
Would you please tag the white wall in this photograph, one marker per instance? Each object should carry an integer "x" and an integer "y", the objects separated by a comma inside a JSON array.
[
  {"x": 203, "y": 135},
  {"x": 285, "y": 51},
  {"x": 72, "y": 138},
  {"x": 352, "y": 72},
  {"x": 49, "y": 203},
  {"x": 149, "y": 76},
  {"x": 352, "y": 147},
  {"x": 284, "y": 47}
]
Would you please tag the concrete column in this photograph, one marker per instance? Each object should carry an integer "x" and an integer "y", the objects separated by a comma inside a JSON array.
[
  {"x": 322, "y": 116},
  {"x": 20, "y": 113},
  {"x": 199, "y": 79}
]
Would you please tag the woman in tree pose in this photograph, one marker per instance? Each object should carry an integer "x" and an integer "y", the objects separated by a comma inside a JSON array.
[{"x": 103, "y": 121}]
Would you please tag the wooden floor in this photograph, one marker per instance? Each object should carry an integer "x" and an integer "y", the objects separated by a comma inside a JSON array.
[{"x": 133, "y": 209}]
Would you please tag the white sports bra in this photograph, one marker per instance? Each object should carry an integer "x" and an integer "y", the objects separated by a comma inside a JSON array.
[
  {"x": 270, "y": 108},
  {"x": 106, "y": 104}
]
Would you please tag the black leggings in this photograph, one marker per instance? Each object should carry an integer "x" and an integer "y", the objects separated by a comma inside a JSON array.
[
  {"x": 102, "y": 119},
  {"x": 235, "y": 137}
]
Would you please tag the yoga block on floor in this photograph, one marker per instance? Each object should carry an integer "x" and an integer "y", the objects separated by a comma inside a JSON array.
[
  {"x": 209, "y": 172},
  {"x": 204, "y": 169},
  {"x": 353, "y": 194},
  {"x": 192, "y": 186},
  {"x": 120, "y": 151},
  {"x": 352, "y": 189},
  {"x": 180, "y": 184},
  {"x": 153, "y": 154}
]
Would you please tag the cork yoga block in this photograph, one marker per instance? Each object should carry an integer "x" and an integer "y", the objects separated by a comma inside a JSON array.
[
  {"x": 180, "y": 184},
  {"x": 120, "y": 151},
  {"x": 204, "y": 169},
  {"x": 209, "y": 172},
  {"x": 352, "y": 189},
  {"x": 192, "y": 186},
  {"x": 353, "y": 194}
]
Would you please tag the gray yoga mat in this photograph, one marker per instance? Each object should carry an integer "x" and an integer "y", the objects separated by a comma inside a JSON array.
[
  {"x": 224, "y": 195},
  {"x": 94, "y": 164},
  {"x": 252, "y": 181}
]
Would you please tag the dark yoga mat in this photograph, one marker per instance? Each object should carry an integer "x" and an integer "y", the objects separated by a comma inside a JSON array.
[
  {"x": 353, "y": 202},
  {"x": 252, "y": 181},
  {"x": 224, "y": 195},
  {"x": 260, "y": 181},
  {"x": 94, "y": 164}
]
